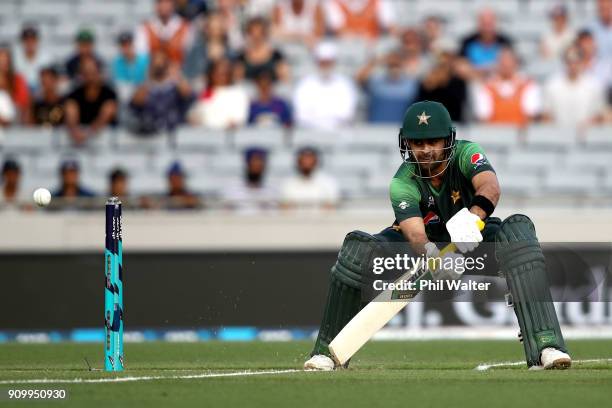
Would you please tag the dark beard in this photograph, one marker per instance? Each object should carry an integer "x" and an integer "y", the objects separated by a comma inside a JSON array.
[{"x": 254, "y": 178}]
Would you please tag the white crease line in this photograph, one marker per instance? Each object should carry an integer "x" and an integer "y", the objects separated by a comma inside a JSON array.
[
  {"x": 485, "y": 367},
  {"x": 147, "y": 378}
]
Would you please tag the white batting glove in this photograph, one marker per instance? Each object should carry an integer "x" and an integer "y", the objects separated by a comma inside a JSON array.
[{"x": 464, "y": 231}]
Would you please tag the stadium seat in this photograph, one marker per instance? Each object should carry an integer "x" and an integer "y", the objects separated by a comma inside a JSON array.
[
  {"x": 103, "y": 140},
  {"x": 518, "y": 183},
  {"x": 550, "y": 137},
  {"x": 490, "y": 137},
  {"x": 373, "y": 137},
  {"x": 569, "y": 182},
  {"x": 320, "y": 139},
  {"x": 282, "y": 163},
  {"x": 187, "y": 138},
  {"x": 132, "y": 162},
  {"x": 271, "y": 139},
  {"x": 599, "y": 138},
  {"x": 350, "y": 162},
  {"x": 529, "y": 161},
  {"x": 129, "y": 142},
  {"x": 26, "y": 139},
  {"x": 587, "y": 161},
  {"x": 48, "y": 164},
  {"x": 37, "y": 10}
]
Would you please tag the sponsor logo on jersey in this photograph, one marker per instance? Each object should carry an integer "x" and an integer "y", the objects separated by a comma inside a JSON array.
[
  {"x": 431, "y": 202},
  {"x": 478, "y": 160},
  {"x": 431, "y": 218},
  {"x": 403, "y": 205}
]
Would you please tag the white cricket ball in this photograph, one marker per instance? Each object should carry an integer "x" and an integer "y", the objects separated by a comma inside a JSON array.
[{"x": 42, "y": 197}]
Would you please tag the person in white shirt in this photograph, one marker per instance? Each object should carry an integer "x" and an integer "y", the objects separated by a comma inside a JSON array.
[
  {"x": 309, "y": 188},
  {"x": 594, "y": 63},
  {"x": 573, "y": 98},
  {"x": 29, "y": 58},
  {"x": 11, "y": 195},
  {"x": 559, "y": 36},
  {"x": 252, "y": 194},
  {"x": 602, "y": 28},
  {"x": 298, "y": 20},
  {"x": 222, "y": 104},
  {"x": 325, "y": 99}
]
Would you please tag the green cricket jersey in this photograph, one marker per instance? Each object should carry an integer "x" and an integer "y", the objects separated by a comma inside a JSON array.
[{"x": 412, "y": 196}]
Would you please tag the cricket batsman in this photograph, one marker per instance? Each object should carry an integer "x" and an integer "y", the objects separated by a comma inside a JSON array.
[{"x": 439, "y": 194}]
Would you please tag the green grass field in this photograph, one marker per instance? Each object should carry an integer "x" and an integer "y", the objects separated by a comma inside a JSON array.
[{"x": 406, "y": 374}]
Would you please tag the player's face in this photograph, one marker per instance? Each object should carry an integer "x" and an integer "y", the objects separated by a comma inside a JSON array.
[{"x": 429, "y": 153}]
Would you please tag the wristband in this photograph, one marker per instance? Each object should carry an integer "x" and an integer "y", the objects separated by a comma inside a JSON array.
[{"x": 483, "y": 202}]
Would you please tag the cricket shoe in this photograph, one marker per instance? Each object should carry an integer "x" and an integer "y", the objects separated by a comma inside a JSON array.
[
  {"x": 551, "y": 358},
  {"x": 319, "y": 362}
]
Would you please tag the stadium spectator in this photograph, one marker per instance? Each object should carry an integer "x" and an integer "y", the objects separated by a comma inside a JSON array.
[
  {"x": 161, "y": 102},
  {"x": 233, "y": 13},
  {"x": 301, "y": 21},
  {"x": 559, "y": 36},
  {"x": 11, "y": 194},
  {"x": 190, "y": 9},
  {"x": 8, "y": 112},
  {"x": 252, "y": 194},
  {"x": 85, "y": 49},
  {"x": 325, "y": 99},
  {"x": 434, "y": 38},
  {"x": 602, "y": 28},
  {"x": 444, "y": 84},
  {"x": 118, "y": 184},
  {"x": 267, "y": 109},
  {"x": 222, "y": 104},
  {"x": 70, "y": 189},
  {"x": 15, "y": 86},
  {"x": 359, "y": 18},
  {"x": 415, "y": 62},
  {"x": 178, "y": 196},
  {"x": 389, "y": 93},
  {"x": 167, "y": 31},
  {"x": 481, "y": 48},
  {"x": 573, "y": 98},
  {"x": 30, "y": 58},
  {"x": 48, "y": 106},
  {"x": 92, "y": 105},
  {"x": 310, "y": 188},
  {"x": 129, "y": 69},
  {"x": 210, "y": 44},
  {"x": 259, "y": 53},
  {"x": 508, "y": 97},
  {"x": 599, "y": 67}
]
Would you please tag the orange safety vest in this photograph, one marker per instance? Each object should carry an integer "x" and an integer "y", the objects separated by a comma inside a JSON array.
[
  {"x": 508, "y": 109},
  {"x": 363, "y": 22},
  {"x": 173, "y": 46}
]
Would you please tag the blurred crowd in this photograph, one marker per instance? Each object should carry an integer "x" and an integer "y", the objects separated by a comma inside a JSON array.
[{"x": 219, "y": 64}]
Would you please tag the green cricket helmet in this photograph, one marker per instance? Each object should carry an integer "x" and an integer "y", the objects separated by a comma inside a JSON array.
[{"x": 426, "y": 120}]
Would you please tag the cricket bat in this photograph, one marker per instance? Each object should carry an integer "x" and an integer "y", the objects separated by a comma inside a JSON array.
[{"x": 373, "y": 317}]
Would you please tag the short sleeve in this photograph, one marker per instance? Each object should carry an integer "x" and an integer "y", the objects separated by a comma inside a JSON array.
[
  {"x": 405, "y": 198},
  {"x": 472, "y": 160}
]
